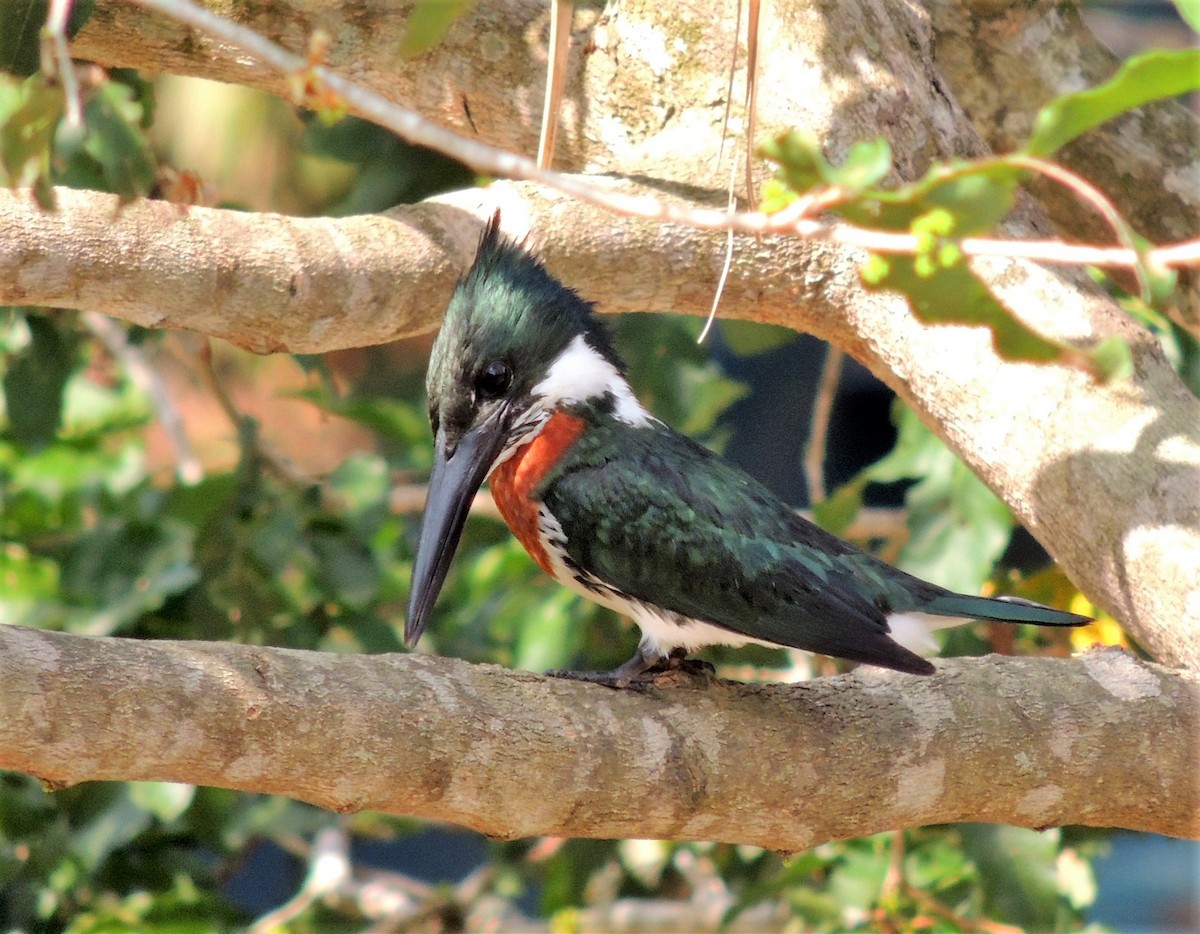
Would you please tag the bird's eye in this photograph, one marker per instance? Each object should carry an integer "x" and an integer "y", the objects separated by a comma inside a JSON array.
[{"x": 494, "y": 380}]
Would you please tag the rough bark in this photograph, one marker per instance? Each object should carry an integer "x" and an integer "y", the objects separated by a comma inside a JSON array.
[{"x": 514, "y": 754}]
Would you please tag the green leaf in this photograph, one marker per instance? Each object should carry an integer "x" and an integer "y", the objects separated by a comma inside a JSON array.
[
  {"x": 21, "y": 23},
  {"x": 1189, "y": 10},
  {"x": 856, "y": 881},
  {"x": 34, "y": 382},
  {"x": 937, "y": 862},
  {"x": 30, "y": 111},
  {"x": 952, "y": 294},
  {"x": 837, "y": 512},
  {"x": 866, "y": 165},
  {"x": 801, "y": 162},
  {"x": 978, "y": 197},
  {"x": 1018, "y": 873},
  {"x": 429, "y": 22},
  {"x": 28, "y": 586},
  {"x": 957, "y": 199},
  {"x": 708, "y": 395},
  {"x": 958, "y": 527},
  {"x": 116, "y": 139},
  {"x": 92, "y": 410},
  {"x": 1144, "y": 78},
  {"x": 165, "y": 800}
]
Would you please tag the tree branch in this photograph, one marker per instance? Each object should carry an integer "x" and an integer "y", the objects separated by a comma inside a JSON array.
[
  {"x": 514, "y": 754},
  {"x": 493, "y": 160}
]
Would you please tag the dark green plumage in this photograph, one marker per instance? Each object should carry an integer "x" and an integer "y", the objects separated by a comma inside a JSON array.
[{"x": 666, "y": 521}]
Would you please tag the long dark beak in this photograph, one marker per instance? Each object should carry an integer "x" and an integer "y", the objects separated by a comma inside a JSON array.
[{"x": 457, "y": 475}]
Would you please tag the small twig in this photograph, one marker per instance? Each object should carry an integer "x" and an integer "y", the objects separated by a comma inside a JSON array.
[
  {"x": 931, "y": 905},
  {"x": 56, "y": 58},
  {"x": 280, "y": 465},
  {"x": 1094, "y": 197},
  {"x": 753, "y": 20},
  {"x": 818, "y": 431},
  {"x": 490, "y": 160},
  {"x": 894, "y": 880},
  {"x": 147, "y": 379},
  {"x": 558, "y": 51},
  {"x": 328, "y": 870}
]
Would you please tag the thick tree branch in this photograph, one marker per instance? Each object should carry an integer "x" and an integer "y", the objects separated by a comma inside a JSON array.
[{"x": 514, "y": 754}]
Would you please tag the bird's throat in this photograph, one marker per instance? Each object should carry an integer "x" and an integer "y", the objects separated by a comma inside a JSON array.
[{"x": 515, "y": 482}]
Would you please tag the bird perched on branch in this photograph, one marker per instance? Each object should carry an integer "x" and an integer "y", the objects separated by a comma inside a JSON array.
[{"x": 526, "y": 390}]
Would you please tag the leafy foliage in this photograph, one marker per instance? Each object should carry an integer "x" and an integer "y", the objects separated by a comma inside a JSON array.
[
  {"x": 958, "y": 528},
  {"x": 952, "y": 201},
  {"x": 107, "y": 151}
]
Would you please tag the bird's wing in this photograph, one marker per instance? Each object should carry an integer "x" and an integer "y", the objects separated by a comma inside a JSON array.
[{"x": 660, "y": 518}]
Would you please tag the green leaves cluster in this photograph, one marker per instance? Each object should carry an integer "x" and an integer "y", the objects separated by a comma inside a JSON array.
[
  {"x": 962, "y": 199},
  {"x": 94, "y": 546},
  {"x": 108, "y": 151},
  {"x": 968, "y": 875}
]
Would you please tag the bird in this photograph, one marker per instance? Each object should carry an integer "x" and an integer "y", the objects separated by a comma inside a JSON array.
[{"x": 527, "y": 391}]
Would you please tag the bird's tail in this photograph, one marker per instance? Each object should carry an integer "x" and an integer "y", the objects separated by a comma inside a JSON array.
[{"x": 1002, "y": 609}]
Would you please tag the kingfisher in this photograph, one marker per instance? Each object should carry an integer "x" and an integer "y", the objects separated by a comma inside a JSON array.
[{"x": 527, "y": 391}]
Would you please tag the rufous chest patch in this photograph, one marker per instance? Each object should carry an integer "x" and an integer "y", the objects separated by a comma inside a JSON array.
[{"x": 514, "y": 481}]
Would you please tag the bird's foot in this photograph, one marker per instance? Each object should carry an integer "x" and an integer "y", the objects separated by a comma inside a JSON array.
[
  {"x": 646, "y": 668},
  {"x": 677, "y": 665}
]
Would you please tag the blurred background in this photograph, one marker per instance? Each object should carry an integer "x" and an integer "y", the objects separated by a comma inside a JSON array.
[{"x": 282, "y": 509}]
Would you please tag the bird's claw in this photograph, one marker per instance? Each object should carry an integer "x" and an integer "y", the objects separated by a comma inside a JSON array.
[{"x": 638, "y": 672}]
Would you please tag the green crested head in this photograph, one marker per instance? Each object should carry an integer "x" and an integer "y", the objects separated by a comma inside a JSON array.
[{"x": 508, "y": 323}]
